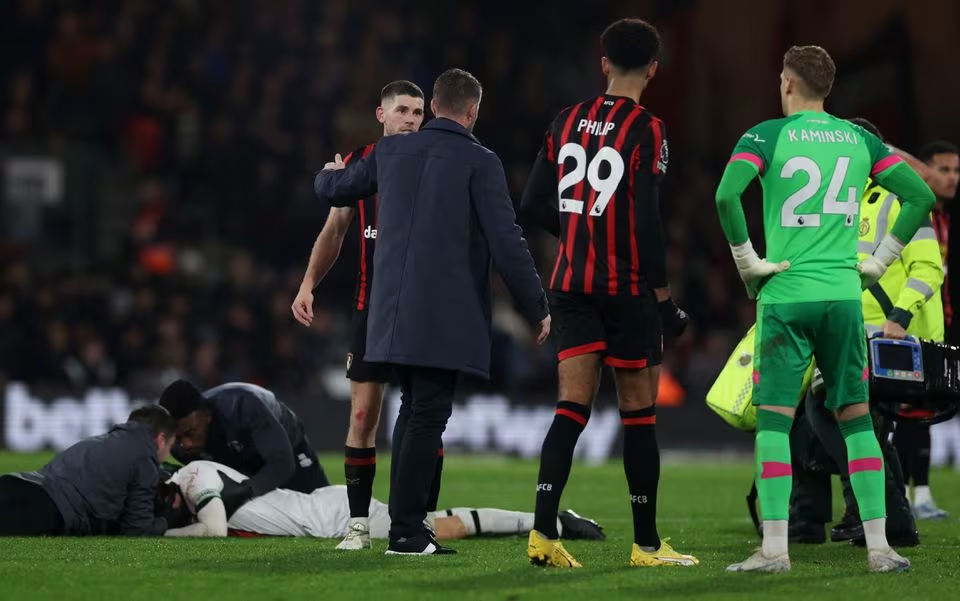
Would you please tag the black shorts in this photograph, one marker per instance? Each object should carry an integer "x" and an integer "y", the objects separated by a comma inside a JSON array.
[
  {"x": 359, "y": 370},
  {"x": 626, "y": 330}
]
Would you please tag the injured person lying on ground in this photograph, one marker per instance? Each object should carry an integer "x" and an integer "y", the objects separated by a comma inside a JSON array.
[{"x": 191, "y": 500}]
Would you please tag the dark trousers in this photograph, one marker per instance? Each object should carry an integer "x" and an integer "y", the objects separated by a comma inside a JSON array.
[
  {"x": 27, "y": 510},
  {"x": 309, "y": 475},
  {"x": 811, "y": 500},
  {"x": 425, "y": 407},
  {"x": 912, "y": 441}
]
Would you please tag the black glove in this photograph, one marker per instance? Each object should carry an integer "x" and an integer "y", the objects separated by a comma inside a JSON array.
[
  {"x": 673, "y": 318},
  {"x": 234, "y": 494}
]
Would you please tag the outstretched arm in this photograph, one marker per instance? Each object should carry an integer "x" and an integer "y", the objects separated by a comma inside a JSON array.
[
  {"x": 211, "y": 522},
  {"x": 344, "y": 186}
]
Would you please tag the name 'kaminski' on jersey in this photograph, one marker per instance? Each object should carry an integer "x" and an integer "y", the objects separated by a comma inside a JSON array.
[{"x": 815, "y": 135}]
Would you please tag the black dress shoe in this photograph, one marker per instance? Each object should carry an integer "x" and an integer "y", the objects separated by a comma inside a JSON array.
[
  {"x": 421, "y": 544},
  {"x": 896, "y": 539},
  {"x": 848, "y": 528},
  {"x": 806, "y": 533}
]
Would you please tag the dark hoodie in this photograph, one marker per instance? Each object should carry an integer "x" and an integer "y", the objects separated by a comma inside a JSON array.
[{"x": 106, "y": 484}]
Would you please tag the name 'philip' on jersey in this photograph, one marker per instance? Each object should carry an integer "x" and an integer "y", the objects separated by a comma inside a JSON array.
[
  {"x": 596, "y": 128},
  {"x": 837, "y": 136}
]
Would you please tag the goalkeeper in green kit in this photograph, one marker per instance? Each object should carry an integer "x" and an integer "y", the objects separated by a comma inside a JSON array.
[{"x": 813, "y": 168}]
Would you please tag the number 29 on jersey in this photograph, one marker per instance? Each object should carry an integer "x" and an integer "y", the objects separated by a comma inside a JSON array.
[{"x": 605, "y": 187}]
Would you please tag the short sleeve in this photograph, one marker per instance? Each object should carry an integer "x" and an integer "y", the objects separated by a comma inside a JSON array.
[{"x": 200, "y": 484}]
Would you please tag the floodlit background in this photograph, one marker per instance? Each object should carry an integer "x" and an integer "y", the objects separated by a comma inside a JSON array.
[{"x": 156, "y": 209}]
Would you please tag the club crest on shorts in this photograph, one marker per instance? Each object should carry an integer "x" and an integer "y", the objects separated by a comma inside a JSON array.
[
  {"x": 864, "y": 227},
  {"x": 349, "y": 360},
  {"x": 744, "y": 359}
]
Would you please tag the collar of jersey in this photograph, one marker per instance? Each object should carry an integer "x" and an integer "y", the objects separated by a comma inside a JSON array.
[{"x": 616, "y": 97}]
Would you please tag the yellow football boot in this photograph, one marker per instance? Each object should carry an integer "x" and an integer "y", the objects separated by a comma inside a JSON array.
[
  {"x": 545, "y": 552},
  {"x": 664, "y": 556}
]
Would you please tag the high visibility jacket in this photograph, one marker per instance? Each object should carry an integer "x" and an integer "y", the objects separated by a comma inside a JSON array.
[{"x": 911, "y": 283}]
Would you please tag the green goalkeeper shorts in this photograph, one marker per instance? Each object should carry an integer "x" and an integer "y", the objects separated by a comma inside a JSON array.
[{"x": 789, "y": 335}]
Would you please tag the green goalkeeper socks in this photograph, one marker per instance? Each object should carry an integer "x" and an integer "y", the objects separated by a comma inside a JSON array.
[
  {"x": 865, "y": 465},
  {"x": 774, "y": 472}
]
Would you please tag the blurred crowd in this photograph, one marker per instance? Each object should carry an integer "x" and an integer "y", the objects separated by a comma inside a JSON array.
[{"x": 216, "y": 113}]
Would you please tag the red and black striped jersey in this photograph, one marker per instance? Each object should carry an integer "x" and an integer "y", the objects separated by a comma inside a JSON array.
[
  {"x": 366, "y": 220},
  {"x": 600, "y": 167}
]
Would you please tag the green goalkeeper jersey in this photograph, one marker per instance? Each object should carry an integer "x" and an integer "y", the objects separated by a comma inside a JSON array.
[{"x": 813, "y": 168}]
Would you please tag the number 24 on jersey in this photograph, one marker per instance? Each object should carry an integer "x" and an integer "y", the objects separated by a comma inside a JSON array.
[{"x": 789, "y": 217}]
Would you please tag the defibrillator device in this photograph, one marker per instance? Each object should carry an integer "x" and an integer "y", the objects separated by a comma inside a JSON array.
[
  {"x": 896, "y": 367},
  {"x": 914, "y": 379}
]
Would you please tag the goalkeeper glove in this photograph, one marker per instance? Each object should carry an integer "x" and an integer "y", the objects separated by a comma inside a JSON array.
[
  {"x": 754, "y": 270},
  {"x": 874, "y": 266}
]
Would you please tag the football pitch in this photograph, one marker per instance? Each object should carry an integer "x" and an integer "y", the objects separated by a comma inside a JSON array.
[{"x": 702, "y": 509}]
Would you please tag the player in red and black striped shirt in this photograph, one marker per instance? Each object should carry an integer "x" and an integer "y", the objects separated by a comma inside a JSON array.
[
  {"x": 595, "y": 185},
  {"x": 400, "y": 112}
]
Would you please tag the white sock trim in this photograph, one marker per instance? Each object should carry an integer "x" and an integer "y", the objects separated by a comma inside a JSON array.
[
  {"x": 875, "y": 532},
  {"x": 775, "y": 537},
  {"x": 921, "y": 495}
]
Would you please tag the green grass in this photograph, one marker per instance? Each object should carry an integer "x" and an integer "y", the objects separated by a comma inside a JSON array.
[{"x": 701, "y": 507}]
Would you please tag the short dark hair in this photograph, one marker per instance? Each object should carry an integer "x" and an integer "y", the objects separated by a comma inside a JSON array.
[
  {"x": 456, "y": 90},
  {"x": 867, "y": 125},
  {"x": 401, "y": 87},
  {"x": 931, "y": 149},
  {"x": 181, "y": 399},
  {"x": 156, "y": 418},
  {"x": 630, "y": 44},
  {"x": 167, "y": 495},
  {"x": 814, "y": 67}
]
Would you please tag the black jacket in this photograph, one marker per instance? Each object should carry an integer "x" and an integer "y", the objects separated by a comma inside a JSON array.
[
  {"x": 444, "y": 212},
  {"x": 254, "y": 433},
  {"x": 106, "y": 484}
]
